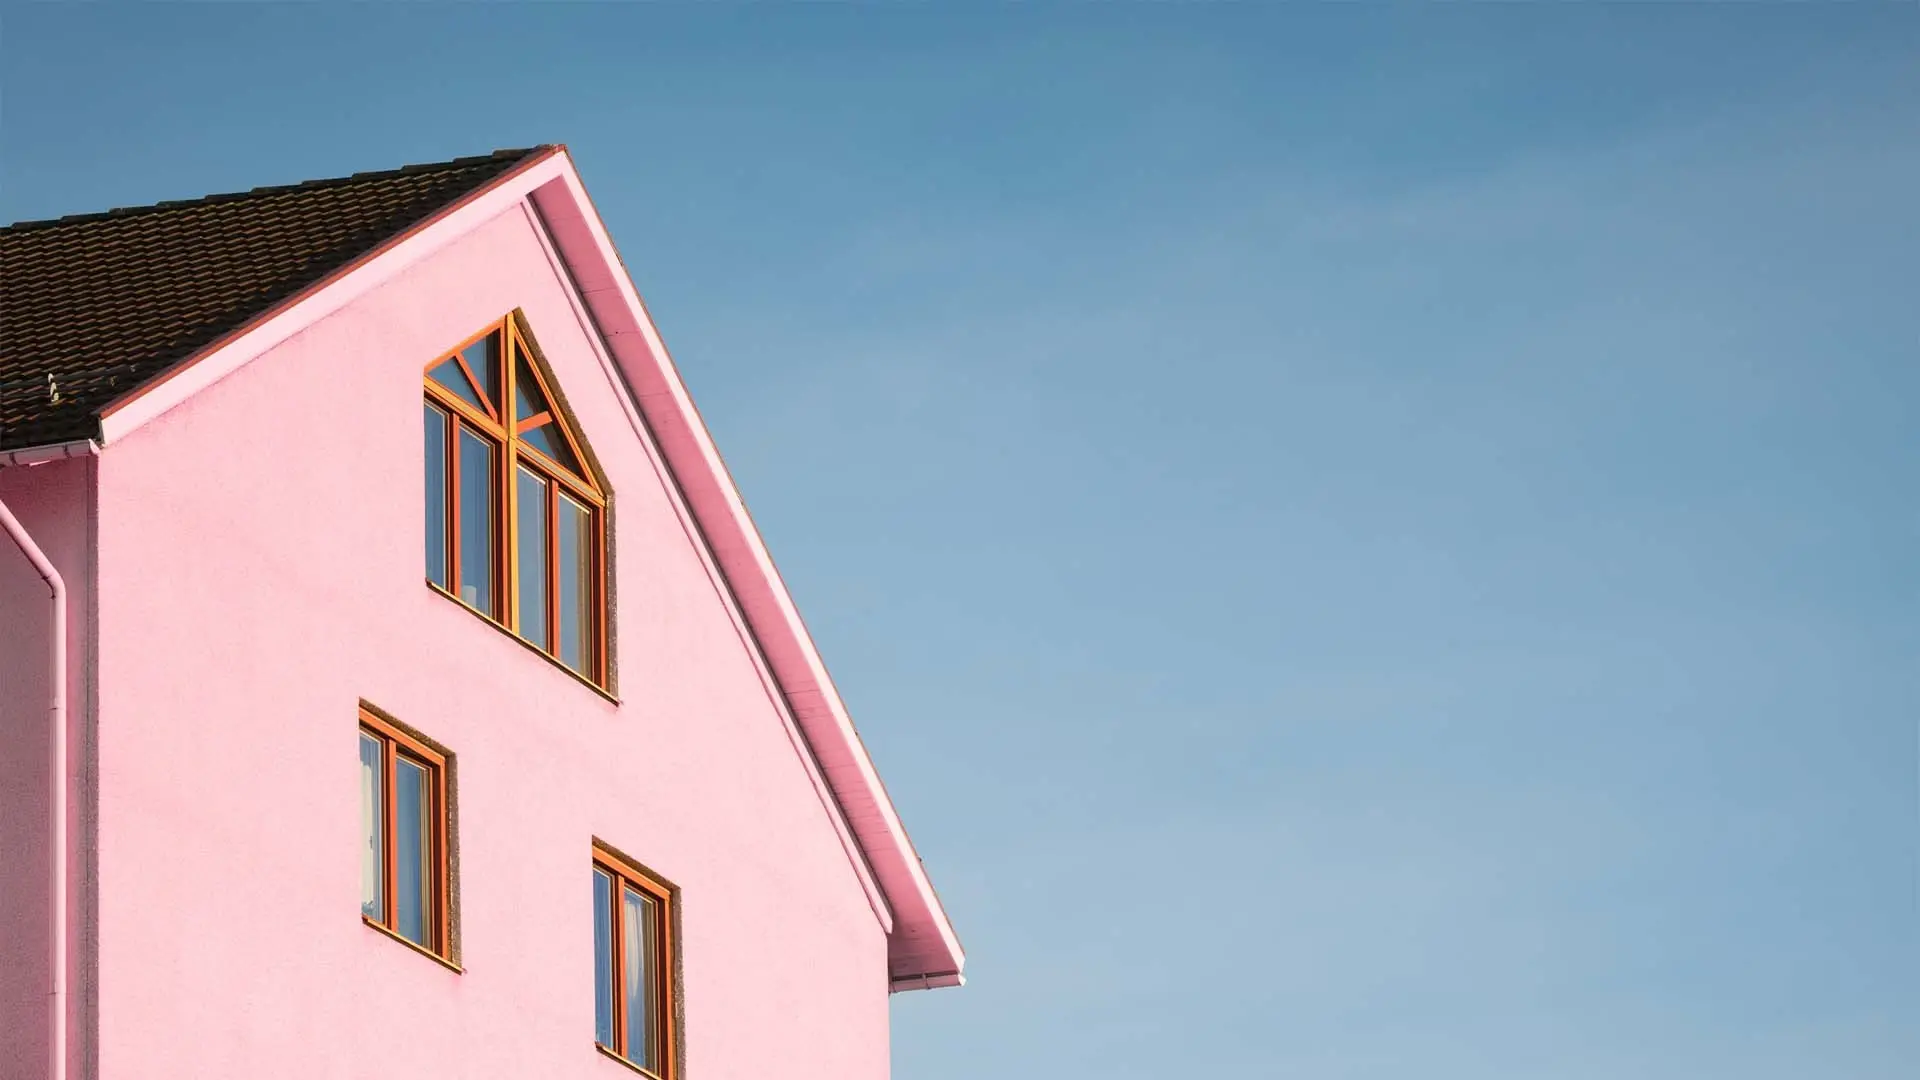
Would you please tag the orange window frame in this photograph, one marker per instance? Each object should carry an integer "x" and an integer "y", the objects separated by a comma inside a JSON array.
[
  {"x": 395, "y": 745},
  {"x": 511, "y": 452},
  {"x": 627, "y": 875},
  {"x": 455, "y": 423}
]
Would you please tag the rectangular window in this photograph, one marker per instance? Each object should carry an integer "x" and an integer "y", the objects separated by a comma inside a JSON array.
[
  {"x": 633, "y": 965},
  {"x": 404, "y": 887},
  {"x": 461, "y": 530}
]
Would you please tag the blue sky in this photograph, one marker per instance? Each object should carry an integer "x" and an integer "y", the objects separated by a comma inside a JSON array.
[{"x": 1367, "y": 543}]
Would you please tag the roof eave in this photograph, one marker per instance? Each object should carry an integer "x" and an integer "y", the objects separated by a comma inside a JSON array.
[{"x": 923, "y": 938}]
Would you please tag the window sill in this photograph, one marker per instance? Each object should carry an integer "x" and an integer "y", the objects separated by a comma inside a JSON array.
[
  {"x": 428, "y": 953},
  {"x": 648, "y": 1073},
  {"x": 525, "y": 644}
]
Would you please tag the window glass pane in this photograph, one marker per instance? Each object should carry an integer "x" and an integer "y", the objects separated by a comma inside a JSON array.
[
  {"x": 436, "y": 454},
  {"x": 603, "y": 958},
  {"x": 532, "y": 514},
  {"x": 578, "y": 608},
  {"x": 373, "y": 822},
  {"x": 547, "y": 439},
  {"x": 413, "y": 855},
  {"x": 483, "y": 359},
  {"x": 476, "y": 520},
  {"x": 529, "y": 401},
  {"x": 527, "y": 398},
  {"x": 642, "y": 983},
  {"x": 449, "y": 375}
]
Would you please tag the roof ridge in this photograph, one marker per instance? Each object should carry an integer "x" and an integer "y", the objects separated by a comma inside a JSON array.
[{"x": 276, "y": 189}]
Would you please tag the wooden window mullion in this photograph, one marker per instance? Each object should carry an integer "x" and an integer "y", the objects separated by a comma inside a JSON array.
[
  {"x": 619, "y": 965},
  {"x": 663, "y": 963},
  {"x": 478, "y": 387},
  {"x": 453, "y": 505},
  {"x": 601, "y": 666},
  {"x": 502, "y": 526},
  {"x": 461, "y": 408},
  {"x": 442, "y": 861},
  {"x": 553, "y": 566},
  {"x": 509, "y": 553},
  {"x": 431, "y": 821},
  {"x": 390, "y": 841}
]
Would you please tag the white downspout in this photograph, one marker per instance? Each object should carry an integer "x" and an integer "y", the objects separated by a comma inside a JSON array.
[{"x": 57, "y": 1004}]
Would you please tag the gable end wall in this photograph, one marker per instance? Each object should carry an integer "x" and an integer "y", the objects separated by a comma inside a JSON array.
[{"x": 261, "y": 573}]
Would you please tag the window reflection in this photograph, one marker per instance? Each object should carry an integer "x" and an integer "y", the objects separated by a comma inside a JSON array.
[
  {"x": 476, "y": 520},
  {"x": 483, "y": 359},
  {"x": 633, "y": 988},
  {"x": 436, "y": 454},
  {"x": 514, "y": 524},
  {"x": 642, "y": 1007},
  {"x": 450, "y": 376},
  {"x": 403, "y": 854},
  {"x": 532, "y": 516},
  {"x": 413, "y": 852},
  {"x": 603, "y": 958},
  {"x": 373, "y": 823},
  {"x": 576, "y": 599}
]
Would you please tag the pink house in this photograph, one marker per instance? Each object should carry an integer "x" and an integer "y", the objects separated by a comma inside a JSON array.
[{"x": 392, "y": 682}]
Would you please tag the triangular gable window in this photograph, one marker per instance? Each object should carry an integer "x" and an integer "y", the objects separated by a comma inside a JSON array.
[{"x": 516, "y": 521}]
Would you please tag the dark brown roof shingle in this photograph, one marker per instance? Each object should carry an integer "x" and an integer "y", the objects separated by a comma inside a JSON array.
[{"x": 95, "y": 305}]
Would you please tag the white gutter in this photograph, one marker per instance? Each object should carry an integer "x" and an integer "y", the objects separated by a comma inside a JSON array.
[
  {"x": 40, "y": 455},
  {"x": 57, "y": 716},
  {"x": 930, "y": 981}
]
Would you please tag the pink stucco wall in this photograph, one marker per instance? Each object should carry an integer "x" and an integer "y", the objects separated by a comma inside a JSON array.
[
  {"x": 52, "y": 502},
  {"x": 260, "y": 572}
]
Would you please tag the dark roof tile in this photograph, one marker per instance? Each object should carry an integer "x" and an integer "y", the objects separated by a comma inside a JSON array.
[{"x": 94, "y": 305}]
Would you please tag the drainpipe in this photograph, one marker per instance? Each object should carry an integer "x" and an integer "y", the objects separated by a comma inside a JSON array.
[{"x": 57, "y": 715}]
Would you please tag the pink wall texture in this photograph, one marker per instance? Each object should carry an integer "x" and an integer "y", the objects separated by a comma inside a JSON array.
[{"x": 260, "y": 572}]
